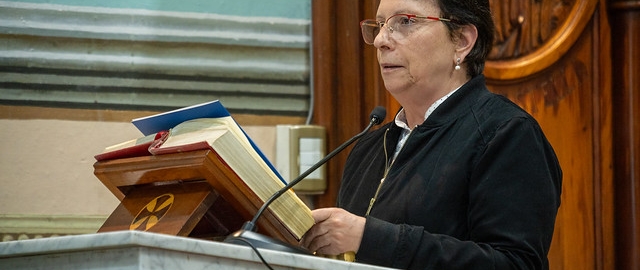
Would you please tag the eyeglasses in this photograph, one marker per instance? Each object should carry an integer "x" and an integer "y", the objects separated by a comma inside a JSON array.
[{"x": 399, "y": 25}]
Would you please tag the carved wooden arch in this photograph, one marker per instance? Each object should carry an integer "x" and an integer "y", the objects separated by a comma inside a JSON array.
[{"x": 507, "y": 66}]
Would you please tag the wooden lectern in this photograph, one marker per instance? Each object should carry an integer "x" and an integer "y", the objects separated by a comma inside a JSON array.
[{"x": 184, "y": 194}]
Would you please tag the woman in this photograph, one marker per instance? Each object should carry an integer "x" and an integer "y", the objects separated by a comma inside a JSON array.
[{"x": 462, "y": 178}]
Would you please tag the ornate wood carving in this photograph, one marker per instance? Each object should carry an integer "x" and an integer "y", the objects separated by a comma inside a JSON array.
[
  {"x": 534, "y": 34},
  {"x": 524, "y": 26}
]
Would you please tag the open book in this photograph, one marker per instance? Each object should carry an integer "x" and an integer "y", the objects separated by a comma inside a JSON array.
[
  {"x": 239, "y": 154},
  {"x": 229, "y": 142},
  {"x": 155, "y": 125}
]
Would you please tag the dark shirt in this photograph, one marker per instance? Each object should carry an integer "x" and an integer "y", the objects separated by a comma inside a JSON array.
[{"x": 476, "y": 186}]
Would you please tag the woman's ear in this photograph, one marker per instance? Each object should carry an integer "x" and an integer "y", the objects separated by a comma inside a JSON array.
[{"x": 467, "y": 36}]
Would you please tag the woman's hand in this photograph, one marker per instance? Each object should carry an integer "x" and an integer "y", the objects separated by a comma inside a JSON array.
[{"x": 336, "y": 231}]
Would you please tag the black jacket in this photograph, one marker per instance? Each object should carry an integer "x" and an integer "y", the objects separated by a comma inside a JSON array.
[{"x": 476, "y": 186}]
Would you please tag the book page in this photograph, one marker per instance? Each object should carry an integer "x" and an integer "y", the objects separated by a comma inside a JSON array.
[
  {"x": 226, "y": 138},
  {"x": 195, "y": 131}
]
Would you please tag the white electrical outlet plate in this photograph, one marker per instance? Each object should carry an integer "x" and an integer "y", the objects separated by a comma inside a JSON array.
[{"x": 298, "y": 147}]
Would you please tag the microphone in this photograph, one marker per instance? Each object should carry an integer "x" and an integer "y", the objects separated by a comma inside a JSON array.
[{"x": 247, "y": 235}]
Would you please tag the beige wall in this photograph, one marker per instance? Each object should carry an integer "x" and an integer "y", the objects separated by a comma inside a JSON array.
[
  {"x": 47, "y": 171},
  {"x": 47, "y": 166}
]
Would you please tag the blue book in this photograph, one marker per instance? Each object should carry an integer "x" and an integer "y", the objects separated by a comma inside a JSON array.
[{"x": 167, "y": 120}]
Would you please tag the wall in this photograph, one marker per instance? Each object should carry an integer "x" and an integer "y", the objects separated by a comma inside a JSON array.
[
  {"x": 298, "y": 9},
  {"x": 47, "y": 148},
  {"x": 122, "y": 58}
]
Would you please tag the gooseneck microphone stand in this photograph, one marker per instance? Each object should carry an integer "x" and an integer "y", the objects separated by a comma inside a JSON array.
[{"x": 247, "y": 235}]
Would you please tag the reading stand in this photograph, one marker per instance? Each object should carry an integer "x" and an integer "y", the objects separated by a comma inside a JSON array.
[{"x": 192, "y": 194}]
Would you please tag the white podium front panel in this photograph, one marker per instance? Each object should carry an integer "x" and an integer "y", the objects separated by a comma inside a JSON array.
[{"x": 143, "y": 250}]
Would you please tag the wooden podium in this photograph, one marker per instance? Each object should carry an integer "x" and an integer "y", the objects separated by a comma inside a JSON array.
[{"x": 180, "y": 194}]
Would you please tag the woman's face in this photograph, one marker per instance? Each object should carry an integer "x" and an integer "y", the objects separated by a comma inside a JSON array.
[{"x": 420, "y": 62}]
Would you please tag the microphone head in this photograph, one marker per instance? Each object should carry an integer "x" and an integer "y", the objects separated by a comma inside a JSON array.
[{"x": 377, "y": 115}]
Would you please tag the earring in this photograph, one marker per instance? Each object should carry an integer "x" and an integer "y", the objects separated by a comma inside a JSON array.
[{"x": 457, "y": 64}]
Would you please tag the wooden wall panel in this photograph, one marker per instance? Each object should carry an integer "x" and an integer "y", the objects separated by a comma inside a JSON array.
[
  {"x": 565, "y": 84},
  {"x": 568, "y": 91},
  {"x": 561, "y": 99},
  {"x": 345, "y": 94},
  {"x": 625, "y": 19},
  {"x": 604, "y": 233}
]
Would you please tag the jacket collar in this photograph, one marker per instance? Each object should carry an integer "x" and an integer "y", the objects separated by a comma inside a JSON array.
[
  {"x": 472, "y": 92},
  {"x": 460, "y": 102}
]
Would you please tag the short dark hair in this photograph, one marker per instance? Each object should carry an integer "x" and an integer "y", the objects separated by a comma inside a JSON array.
[{"x": 477, "y": 13}]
